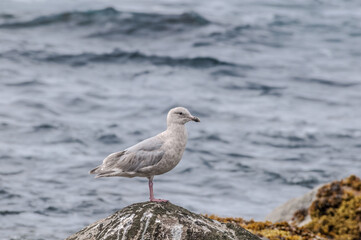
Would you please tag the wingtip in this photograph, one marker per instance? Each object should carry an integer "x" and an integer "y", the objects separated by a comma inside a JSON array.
[{"x": 93, "y": 171}]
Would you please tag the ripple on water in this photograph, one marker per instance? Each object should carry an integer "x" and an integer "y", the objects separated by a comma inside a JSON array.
[
  {"x": 239, "y": 155},
  {"x": 44, "y": 126},
  {"x": 109, "y": 139},
  {"x": 262, "y": 88},
  {"x": 308, "y": 180},
  {"x": 118, "y": 56},
  {"x": 278, "y": 103},
  {"x": 2, "y": 173},
  {"x": 326, "y": 82},
  {"x": 6, "y": 195},
  {"x": 25, "y": 84},
  {"x": 7, "y": 212},
  {"x": 117, "y": 23}
]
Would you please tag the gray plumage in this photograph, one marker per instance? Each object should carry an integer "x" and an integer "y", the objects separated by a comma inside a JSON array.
[{"x": 153, "y": 156}]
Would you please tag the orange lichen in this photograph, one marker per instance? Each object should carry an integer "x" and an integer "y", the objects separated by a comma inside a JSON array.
[
  {"x": 353, "y": 182},
  {"x": 335, "y": 214},
  {"x": 272, "y": 231},
  {"x": 300, "y": 215},
  {"x": 328, "y": 197}
]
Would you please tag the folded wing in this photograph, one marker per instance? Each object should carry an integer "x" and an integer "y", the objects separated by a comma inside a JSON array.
[{"x": 132, "y": 160}]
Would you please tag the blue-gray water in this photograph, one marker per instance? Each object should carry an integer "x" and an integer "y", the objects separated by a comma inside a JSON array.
[{"x": 277, "y": 85}]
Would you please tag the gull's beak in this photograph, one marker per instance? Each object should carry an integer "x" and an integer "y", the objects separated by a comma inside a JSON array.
[{"x": 195, "y": 119}]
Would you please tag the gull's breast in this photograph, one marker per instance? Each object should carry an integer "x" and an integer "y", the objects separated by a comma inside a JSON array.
[{"x": 174, "y": 149}]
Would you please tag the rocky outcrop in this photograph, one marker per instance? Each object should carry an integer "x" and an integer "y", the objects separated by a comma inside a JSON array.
[
  {"x": 330, "y": 211},
  {"x": 333, "y": 209},
  {"x": 163, "y": 221},
  {"x": 296, "y": 206}
]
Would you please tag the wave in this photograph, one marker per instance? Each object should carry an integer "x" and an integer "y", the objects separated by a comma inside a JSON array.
[
  {"x": 262, "y": 88},
  {"x": 238, "y": 155},
  {"x": 109, "y": 139},
  {"x": 322, "y": 101},
  {"x": 8, "y": 212},
  {"x": 68, "y": 140},
  {"x": 290, "y": 145},
  {"x": 25, "y": 83},
  {"x": 116, "y": 22},
  {"x": 6, "y": 195},
  {"x": 10, "y": 173},
  {"x": 290, "y": 137},
  {"x": 77, "y": 18},
  {"x": 6, "y": 16},
  {"x": 210, "y": 137},
  {"x": 118, "y": 56},
  {"x": 304, "y": 179},
  {"x": 44, "y": 126},
  {"x": 325, "y": 82}
]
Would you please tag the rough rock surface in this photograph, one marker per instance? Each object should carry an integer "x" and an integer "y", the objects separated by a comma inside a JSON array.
[
  {"x": 286, "y": 211},
  {"x": 330, "y": 211},
  {"x": 164, "y": 221}
]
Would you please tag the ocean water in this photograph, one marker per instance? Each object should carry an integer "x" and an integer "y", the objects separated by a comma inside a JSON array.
[{"x": 276, "y": 84}]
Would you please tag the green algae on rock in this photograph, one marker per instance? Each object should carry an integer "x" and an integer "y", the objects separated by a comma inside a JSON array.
[{"x": 150, "y": 220}]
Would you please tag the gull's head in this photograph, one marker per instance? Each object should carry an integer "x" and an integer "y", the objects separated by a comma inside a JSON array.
[{"x": 180, "y": 115}]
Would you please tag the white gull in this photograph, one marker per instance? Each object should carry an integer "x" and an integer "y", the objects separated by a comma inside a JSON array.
[{"x": 152, "y": 156}]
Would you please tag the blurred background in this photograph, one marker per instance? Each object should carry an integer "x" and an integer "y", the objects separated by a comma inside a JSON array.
[{"x": 276, "y": 85}]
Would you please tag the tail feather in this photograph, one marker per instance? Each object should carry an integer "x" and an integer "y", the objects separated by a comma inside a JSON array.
[
  {"x": 106, "y": 174},
  {"x": 100, "y": 173},
  {"x": 110, "y": 173}
]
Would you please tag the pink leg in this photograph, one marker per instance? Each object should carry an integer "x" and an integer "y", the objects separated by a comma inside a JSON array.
[{"x": 152, "y": 199}]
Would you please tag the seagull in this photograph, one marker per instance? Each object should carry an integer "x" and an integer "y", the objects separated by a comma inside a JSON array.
[{"x": 152, "y": 156}]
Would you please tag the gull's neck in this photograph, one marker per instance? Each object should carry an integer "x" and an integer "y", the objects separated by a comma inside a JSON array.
[
  {"x": 178, "y": 131},
  {"x": 176, "y": 127}
]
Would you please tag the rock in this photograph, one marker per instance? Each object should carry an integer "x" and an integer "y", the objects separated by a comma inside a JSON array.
[
  {"x": 286, "y": 212},
  {"x": 332, "y": 211},
  {"x": 268, "y": 230},
  {"x": 163, "y": 221}
]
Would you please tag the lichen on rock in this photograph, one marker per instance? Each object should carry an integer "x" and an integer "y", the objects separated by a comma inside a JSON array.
[
  {"x": 336, "y": 213},
  {"x": 272, "y": 231},
  {"x": 331, "y": 211},
  {"x": 163, "y": 221}
]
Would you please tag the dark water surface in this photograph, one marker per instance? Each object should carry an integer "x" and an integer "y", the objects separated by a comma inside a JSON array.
[{"x": 277, "y": 86}]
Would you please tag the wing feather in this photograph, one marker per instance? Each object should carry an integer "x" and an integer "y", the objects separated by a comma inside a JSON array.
[{"x": 144, "y": 154}]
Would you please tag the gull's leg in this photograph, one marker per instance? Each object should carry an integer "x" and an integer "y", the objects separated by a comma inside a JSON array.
[{"x": 151, "y": 194}]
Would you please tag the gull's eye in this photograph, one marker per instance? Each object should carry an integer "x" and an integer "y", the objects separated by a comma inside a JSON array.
[{"x": 180, "y": 113}]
